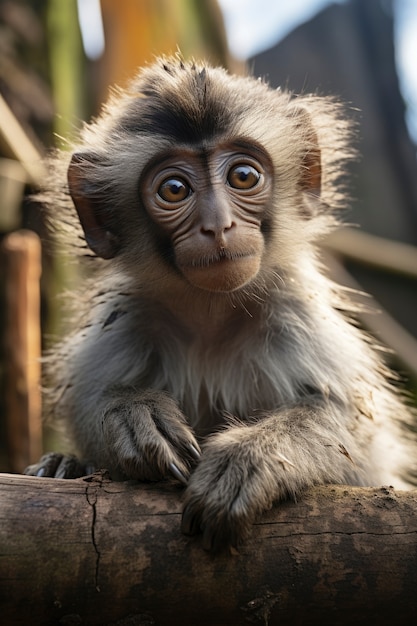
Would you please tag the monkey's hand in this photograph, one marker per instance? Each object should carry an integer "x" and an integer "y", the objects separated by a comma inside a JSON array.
[
  {"x": 231, "y": 484},
  {"x": 147, "y": 437},
  {"x": 244, "y": 469}
]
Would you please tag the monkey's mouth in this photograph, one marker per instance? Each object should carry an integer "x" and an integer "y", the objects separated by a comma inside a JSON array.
[
  {"x": 221, "y": 256},
  {"x": 222, "y": 270}
]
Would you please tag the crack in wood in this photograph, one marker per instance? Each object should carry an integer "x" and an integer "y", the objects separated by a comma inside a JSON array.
[{"x": 91, "y": 496}]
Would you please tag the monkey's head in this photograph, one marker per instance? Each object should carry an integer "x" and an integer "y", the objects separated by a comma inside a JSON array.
[{"x": 202, "y": 169}]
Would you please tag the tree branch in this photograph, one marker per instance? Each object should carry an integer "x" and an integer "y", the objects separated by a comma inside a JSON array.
[{"x": 92, "y": 551}]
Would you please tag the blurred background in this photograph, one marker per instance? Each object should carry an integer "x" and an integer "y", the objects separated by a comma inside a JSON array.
[{"x": 58, "y": 60}]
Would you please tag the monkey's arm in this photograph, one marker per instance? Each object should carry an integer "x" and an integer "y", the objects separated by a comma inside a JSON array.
[
  {"x": 246, "y": 468},
  {"x": 114, "y": 419},
  {"x": 133, "y": 434}
]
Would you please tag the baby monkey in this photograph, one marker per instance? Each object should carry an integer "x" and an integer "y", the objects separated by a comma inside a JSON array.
[{"x": 208, "y": 344}]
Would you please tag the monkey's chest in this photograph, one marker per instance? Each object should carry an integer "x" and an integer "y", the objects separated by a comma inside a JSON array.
[{"x": 212, "y": 382}]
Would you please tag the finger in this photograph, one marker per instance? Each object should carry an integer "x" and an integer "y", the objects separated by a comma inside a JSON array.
[
  {"x": 179, "y": 475},
  {"x": 46, "y": 467},
  {"x": 194, "y": 451}
]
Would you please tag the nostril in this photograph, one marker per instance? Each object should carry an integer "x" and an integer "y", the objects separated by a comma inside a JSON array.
[
  {"x": 218, "y": 230},
  {"x": 207, "y": 231}
]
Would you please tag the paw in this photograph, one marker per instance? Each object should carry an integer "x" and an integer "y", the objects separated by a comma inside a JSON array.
[
  {"x": 148, "y": 438},
  {"x": 227, "y": 490},
  {"x": 55, "y": 465}
]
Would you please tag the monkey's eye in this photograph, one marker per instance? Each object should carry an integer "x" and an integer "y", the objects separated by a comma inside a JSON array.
[
  {"x": 243, "y": 177},
  {"x": 174, "y": 190}
]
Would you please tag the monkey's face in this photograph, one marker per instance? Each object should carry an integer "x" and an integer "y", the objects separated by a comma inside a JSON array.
[
  {"x": 191, "y": 170},
  {"x": 210, "y": 205}
]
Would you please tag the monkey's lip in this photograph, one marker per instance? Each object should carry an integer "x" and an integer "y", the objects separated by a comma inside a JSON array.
[
  {"x": 224, "y": 271},
  {"x": 223, "y": 256}
]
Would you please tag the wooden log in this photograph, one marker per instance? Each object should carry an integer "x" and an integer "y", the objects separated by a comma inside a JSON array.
[
  {"x": 377, "y": 319},
  {"x": 16, "y": 144},
  {"x": 22, "y": 255},
  {"x": 92, "y": 551},
  {"x": 392, "y": 257}
]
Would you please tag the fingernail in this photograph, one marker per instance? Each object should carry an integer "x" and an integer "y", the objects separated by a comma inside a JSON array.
[{"x": 178, "y": 474}]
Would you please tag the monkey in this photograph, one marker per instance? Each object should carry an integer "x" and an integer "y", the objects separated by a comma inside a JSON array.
[{"x": 209, "y": 344}]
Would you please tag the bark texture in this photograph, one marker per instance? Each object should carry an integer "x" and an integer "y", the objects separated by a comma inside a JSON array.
[{"x": 92, "y": 551}]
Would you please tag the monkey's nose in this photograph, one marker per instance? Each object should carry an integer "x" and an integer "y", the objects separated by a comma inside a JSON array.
[{"x": 218, "y": 232}]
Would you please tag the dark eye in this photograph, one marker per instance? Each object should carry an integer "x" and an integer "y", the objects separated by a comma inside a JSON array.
[
  {"x": 173, "y": 190},
  {"x": 243, "y": 177}
]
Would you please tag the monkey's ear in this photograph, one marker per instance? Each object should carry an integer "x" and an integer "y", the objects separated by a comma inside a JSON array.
[
  {"x": 311, "y": 176},
  {"x": 98, "y": 235},
  {"x": 311, "y": 163}
]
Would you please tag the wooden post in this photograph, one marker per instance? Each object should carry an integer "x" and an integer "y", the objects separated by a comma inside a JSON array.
[{"x": 22, "y": 254}]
